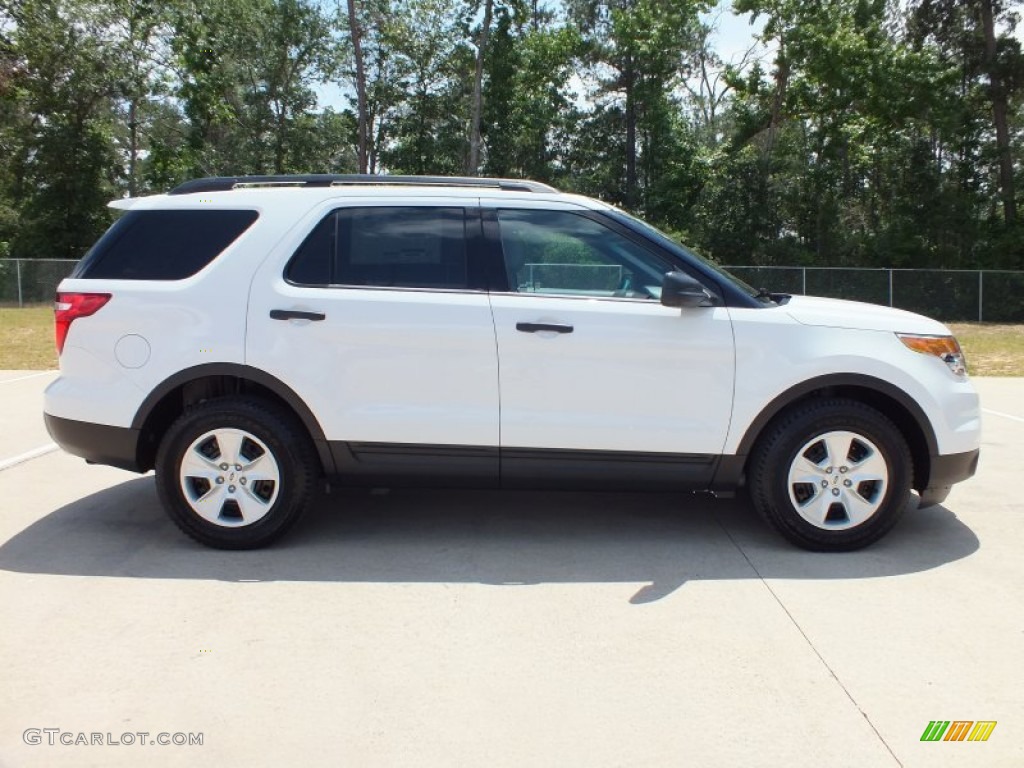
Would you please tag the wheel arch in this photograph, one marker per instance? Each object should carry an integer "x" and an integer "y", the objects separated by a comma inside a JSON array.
[
  {"x": 170, "y": 398},
  {"x": 885, "y": 397}
]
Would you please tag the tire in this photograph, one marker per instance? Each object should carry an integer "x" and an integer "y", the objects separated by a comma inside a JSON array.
[
  {"x": 831, "y": 475},
  {"x": 236, "y": 472}
]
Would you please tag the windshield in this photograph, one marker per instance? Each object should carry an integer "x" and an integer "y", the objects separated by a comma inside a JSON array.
[{"x": 664, "y": 240}]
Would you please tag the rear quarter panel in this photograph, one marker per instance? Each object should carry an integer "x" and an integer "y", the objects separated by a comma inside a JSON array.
[{"x": 184, "y": 323}]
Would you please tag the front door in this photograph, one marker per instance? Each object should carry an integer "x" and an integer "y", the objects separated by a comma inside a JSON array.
[{"x": 599, "y": 380}]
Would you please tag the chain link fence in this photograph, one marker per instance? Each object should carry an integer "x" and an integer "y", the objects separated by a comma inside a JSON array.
[
  {"x": 993, "y": 296},
  {"x": 26, "y": 282}
]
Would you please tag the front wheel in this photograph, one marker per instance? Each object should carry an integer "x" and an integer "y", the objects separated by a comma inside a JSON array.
[
  {"x": 831, "y": 475},
  {"x": 235, "y": 473}
]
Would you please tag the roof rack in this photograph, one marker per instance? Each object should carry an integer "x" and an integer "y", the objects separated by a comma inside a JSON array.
[{"x": 225, "y": 183}]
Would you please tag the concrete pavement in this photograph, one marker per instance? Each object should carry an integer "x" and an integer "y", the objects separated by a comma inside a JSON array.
[
  {"x": 504, "y": 629},
  {"x": 22, "y": 433}
]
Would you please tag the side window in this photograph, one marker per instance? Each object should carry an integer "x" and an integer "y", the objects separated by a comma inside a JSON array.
[
  {"x": 402, "y": 247},
  {"x": 311, "y": 264},
  {"x": 567, "y": 254},
  {"x": 163, "y": 245},
  {"x": 409, "y": 247}
]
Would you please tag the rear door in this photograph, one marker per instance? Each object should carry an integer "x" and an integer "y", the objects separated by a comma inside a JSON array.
[{"x": 380, "y": 323}]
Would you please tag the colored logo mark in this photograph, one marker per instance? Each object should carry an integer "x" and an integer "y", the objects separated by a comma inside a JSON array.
[{"x": 958, "y": 730}]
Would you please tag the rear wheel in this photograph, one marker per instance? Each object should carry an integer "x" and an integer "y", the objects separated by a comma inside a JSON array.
[
  {"x": 235, "y": 473},
  {"x": 831, "y": 475}
]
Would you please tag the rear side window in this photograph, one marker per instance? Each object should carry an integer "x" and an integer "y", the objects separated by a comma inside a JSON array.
[
  {"x": 414, "y": 247},
  {"x": 312, "y": 263},
  {"x": 163, "y": 245}
]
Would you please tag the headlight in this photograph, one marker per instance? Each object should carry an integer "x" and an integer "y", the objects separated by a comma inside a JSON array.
[{"x": 946, "y": 348}]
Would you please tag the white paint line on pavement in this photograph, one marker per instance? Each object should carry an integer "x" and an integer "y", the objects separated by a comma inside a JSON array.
[
  {"x": 1004, "y": 415},
  {"x": 30, "y": 376},
  {"x": 35, "y": 453}
]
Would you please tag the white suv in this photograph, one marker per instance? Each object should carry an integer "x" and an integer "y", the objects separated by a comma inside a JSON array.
[{"x": 249, "y": 337}]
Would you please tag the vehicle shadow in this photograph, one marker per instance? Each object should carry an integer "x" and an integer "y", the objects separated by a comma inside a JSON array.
[{"x": 660, "y": 541}]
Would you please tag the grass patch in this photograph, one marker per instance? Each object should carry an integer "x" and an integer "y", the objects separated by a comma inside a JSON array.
[
  {"x": 27, "y": 343},
  {"x": 992, "y": 350},
  {"x": 26, "y": 339}
]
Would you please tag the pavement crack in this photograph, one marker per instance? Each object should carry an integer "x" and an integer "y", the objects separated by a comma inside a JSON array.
[{"x": 817, "y": 653}]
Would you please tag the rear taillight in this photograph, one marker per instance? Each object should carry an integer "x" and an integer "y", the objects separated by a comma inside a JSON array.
[{"x": 68, "y": 307}]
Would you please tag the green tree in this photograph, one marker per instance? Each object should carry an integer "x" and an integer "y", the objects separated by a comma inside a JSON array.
[
  {"x": 246, "y": 71},
  {"x": 641, "y": 44},
  {"x": 832, "y": 126},
  {"x": 528, "y": 110},
  {"x": 138, "y": 31},
  {"x": 61, "y": 94},
  {"x": 429, "y": 132},
  {"x": 973, "y": 143}
]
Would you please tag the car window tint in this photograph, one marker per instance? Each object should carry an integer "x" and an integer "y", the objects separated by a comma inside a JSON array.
[
  {"x": 163, "y": 245},
  {"x": 401, "y": 247},
  {"x": 560, "y": 252},
  {"x": 311, "y": 264}
]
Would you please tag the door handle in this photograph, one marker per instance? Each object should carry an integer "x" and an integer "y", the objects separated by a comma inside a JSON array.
[
  {"x": 537, "y": 327},
  {"x": 295, "y": 314}
]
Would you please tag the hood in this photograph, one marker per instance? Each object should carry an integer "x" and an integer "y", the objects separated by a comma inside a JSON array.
[{"x": 837, "y": 313}]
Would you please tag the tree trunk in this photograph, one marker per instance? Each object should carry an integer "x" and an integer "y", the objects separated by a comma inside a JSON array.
[
  {"x": 380, "y": 136},
  {"x": 998, "y": 95},
  {"x": 357, "y": 48},
  {"x": 133, "y": 108},
  {"x": 781, "y": 84},
  {"x": 280, "y": 140},
  {"x": 629, "y": 83},
  {"x": 473, "y": 165},
  {"x": 133, "y": 147}
]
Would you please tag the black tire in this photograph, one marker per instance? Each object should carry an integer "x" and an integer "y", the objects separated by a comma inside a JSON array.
[
  {"x": 276, "y": 503},
  {"x": 799, "y": 433}
]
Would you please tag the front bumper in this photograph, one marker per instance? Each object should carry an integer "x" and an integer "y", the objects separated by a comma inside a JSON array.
[
  {"x": 946, "y": 471},
  {"x": 96, "y": 443}
]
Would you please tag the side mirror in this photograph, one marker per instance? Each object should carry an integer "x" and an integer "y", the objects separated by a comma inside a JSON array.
[{"x": 678, "y": 289}]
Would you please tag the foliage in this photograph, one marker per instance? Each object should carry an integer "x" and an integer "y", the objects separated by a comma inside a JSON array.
[{"x": 874, "y": 133}]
